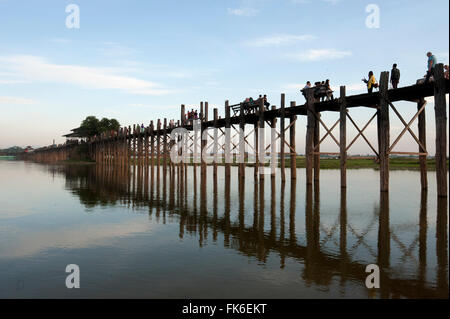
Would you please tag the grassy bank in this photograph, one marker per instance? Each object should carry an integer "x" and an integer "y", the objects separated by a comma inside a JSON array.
[
  {"x": 77, "y": 162},
  {"x": 397, "y": 163}
]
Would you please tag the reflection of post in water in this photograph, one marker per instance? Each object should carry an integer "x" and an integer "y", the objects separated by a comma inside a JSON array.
[
  {"x": 172, "y": 190},
  {"x": 241, "y": 204},
  {"x": 343, "y": 234},
  {"x": 423, "y": 225},
  {"x": 261, "y": 247},
  {"x": 139, "y": 186},
  {"x": 184, "y": 208},
  {"x": 158, "y": 195},
  {"x": 384, "y": 243},
  {"x": 310, "y": 242},
  {"x": 255, "y": 203},
  {"x": 164, "y": 181},
  {"x": 152, "y": 189},
  {"x": 442, "y": 245},
  {"x": 227, "y": 211},
  {"x": 282, "y": 229},
  {"x": 164, "y": 195},
  {"x": 146, "y": 178},
  {"x": 316, "y": 218},
  {"x": 178, "y": 181},
  {"x": 309, "y": 222},
  {"x": 214, "y": 220},
  {"x": 292, "y": 236},
  {"x": 273, "y": 220},
  {"x": 203, "y": 226},
  {"x": 180, "y": 197}
]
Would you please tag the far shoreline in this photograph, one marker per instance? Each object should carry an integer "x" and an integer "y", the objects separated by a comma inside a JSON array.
[{"x": 396, "y": 164}]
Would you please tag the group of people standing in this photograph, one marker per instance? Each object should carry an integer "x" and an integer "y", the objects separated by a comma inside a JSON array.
[
  {"x": 141, "y": 128},
  {"x": 192, "y": 115},
  {"x": 322, "y": 90},
  {"x": 395, "y": 74},
  {"x": 372, "y": 82}
]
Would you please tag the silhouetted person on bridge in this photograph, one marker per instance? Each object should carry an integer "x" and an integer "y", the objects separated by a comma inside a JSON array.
[
  {"x": 266, "y": 104},
  {"x": 395, "y": 76},
  {"x": 329, "y": 90}
]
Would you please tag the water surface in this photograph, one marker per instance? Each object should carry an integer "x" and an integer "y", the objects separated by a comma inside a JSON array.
[{"x": 138, "y": 236}]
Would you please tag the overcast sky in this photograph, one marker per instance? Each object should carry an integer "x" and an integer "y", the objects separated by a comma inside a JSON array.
[{"x": 138, "y": 61}]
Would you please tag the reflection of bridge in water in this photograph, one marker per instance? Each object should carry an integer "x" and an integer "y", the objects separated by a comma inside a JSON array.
[{"x": 166, "y": 195}]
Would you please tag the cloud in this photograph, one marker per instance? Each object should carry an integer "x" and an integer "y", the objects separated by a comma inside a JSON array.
[
  {"x": 321, "y": 55},
  {"x": 11, "y": 81},
  {"x": 37, "y": 69},
  {"x": 354, "y": 88},
  {"x": 10, "y": 78},
  {"x": 156, "y": 107},
  {"x": 114, "y": 49},
  {"x": 294, "y": 86},
  {"x": 300, "y": 1},
  {"x": 60, "y": 40},
  {"x": 246, "y": 12},
  {"x": 279, "y": 39},
  {"x": 333, "y": 2},
  {"x": 443, "y": 56},
  {"x": 15, "y": 100}
]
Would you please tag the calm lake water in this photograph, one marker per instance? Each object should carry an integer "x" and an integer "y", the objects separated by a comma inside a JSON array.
[{"x": 134, "y": 237}]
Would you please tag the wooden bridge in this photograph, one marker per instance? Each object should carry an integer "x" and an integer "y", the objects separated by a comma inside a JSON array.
[{"x": 152, "y": 146}]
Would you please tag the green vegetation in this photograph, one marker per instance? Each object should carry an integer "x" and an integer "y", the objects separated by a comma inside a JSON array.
[
  {"x": 396, "y": 163},
  {"x": 75, "y": 161},
  {"x": 11, "y": 151},
  {"x": 93, "y": 126}
]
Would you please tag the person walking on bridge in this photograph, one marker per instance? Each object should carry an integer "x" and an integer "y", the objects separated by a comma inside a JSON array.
[
  {"x": 430, "y": 64},
  {"x": 371, "y": 83},
  {"x": 395, "y": 76}
]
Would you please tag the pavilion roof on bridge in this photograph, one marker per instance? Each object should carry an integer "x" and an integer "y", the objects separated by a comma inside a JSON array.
[{"x": 76, "y": 133}]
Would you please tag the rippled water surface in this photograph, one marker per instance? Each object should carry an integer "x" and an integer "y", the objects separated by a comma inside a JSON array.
[{"x": 183, "y": 236}]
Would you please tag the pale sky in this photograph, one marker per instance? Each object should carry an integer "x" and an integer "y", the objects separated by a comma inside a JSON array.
[{"x": 138, "y": 61}]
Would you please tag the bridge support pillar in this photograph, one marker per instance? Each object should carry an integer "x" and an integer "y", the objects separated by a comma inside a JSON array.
[
  {"x": 343, "y": 137},
  {"x": 440, "y": 108},
  {"x": 293, "y": 120},
  {"x": 262, "y": 147},
  {"x": 423, "y": 140},
  {"x": 282, "y": 138},
  {"x": 384, "y": 132},
  {"x": 309, "y": 147},
  {"x": 241, "y": 142},
  {"x": 227, "y": 140},
  {"x": 316, "y": 148}
]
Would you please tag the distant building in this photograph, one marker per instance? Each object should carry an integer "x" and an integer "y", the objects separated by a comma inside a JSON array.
[{"x": 75, "y": 136}]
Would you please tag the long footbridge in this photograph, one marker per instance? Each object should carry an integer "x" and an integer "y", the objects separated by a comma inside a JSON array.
[{"x": 153, "y": 145}]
